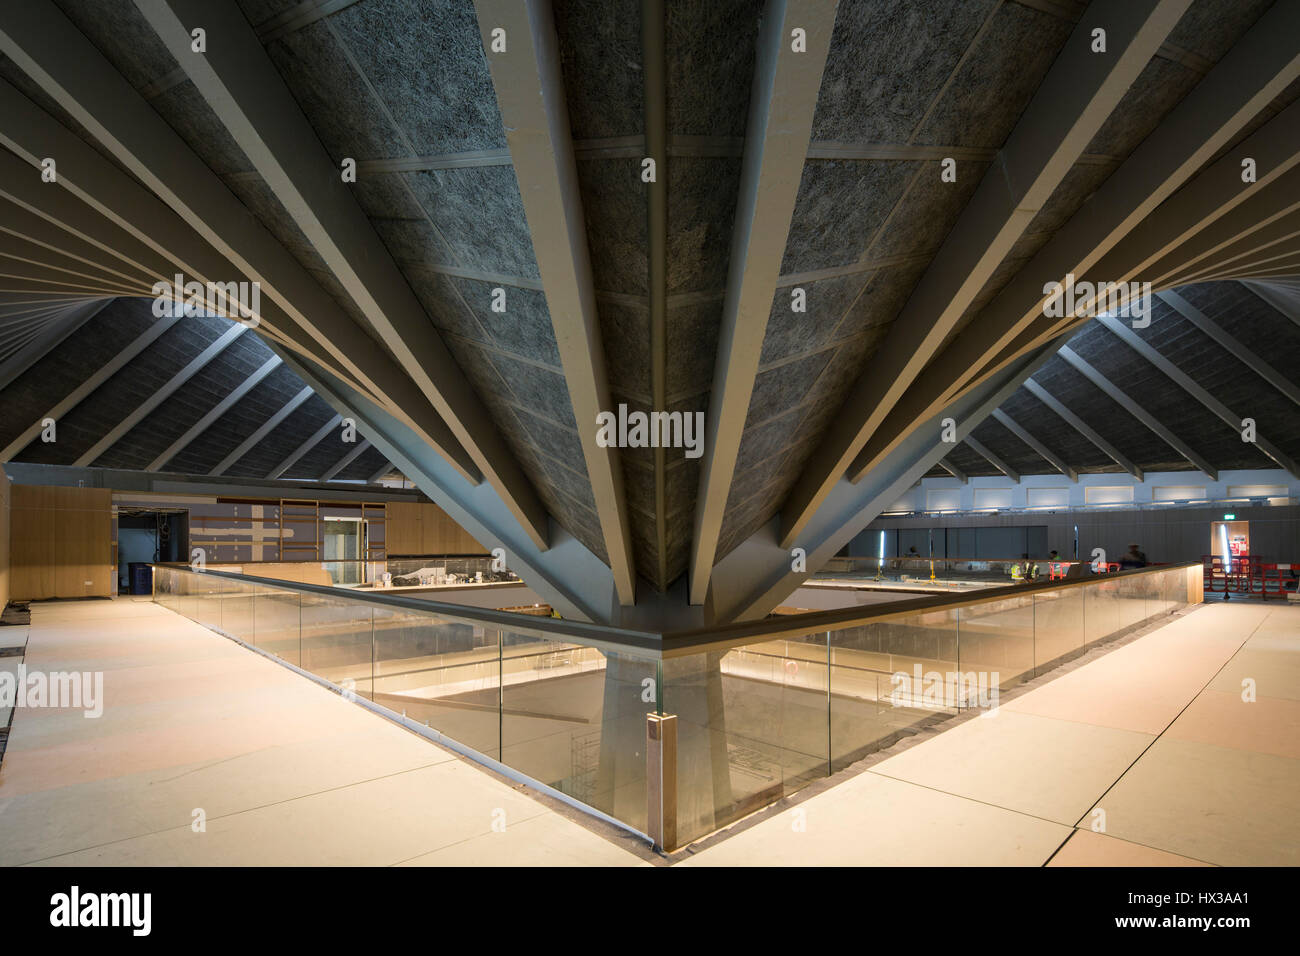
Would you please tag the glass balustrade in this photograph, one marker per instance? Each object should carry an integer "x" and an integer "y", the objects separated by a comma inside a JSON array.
[{"x": 757, "y": 711}]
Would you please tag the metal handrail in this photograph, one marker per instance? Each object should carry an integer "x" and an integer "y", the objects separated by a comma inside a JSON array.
[{"x": 670, "y": 644}]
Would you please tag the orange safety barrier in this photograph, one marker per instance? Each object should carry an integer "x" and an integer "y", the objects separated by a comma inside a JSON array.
[
  {"x": 1233, "y": 576},
  {"x": 1271, "y": 580}
]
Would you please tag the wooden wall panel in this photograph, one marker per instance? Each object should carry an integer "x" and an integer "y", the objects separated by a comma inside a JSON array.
[
  {"x": 444, "y": 536},
  {"x": 424, "y": 528},
  {"x": 61, "y": 542},
  {"x": 404, "y": 528}
]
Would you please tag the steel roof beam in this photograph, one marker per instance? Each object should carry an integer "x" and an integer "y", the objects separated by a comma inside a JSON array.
[
  {"x": 1138, "y": 411},
  {"x": 262, "y": 431},
  {"x": 1136, "y": 216},
  {"x": 223, "y": 406},
  {"x": 248, "y": 95},
  {"x": 160, "y": 395},
  {"x": 782, "y": 102},
  {"x": 1082, "y": 427},
  {"x": 1055, "y": 460},
  {"x": 50, "y": 49},
  {"x": 983, "y": 451},
  {"x": 1202, "y": 395},
  {"x": 1077, "y": 96},
  {"x": 80, "y": 393},
  {"x": 349, "y": 458},
  {"x": 305, "y": 447},
  {"x": 530, "y": 93}
]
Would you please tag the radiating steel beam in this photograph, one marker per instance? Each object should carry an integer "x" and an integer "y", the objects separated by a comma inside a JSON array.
[
  {"x": 1248, "y": 258},
  {"x": 1074, "y": 100},
  {"x": 305, "y": 447},
  {"x": 129, "y": 223},
  {"x": 160, "y": 395},
  {"x": 1082, "y": 427},
  {"x": 238, "y": 80},
  {"x": 1185, "y": 382},
  {"x": 223, "y": 406},
  {"x": 1273, "y": 229},
  {"x": 654, "y": 91},
  {"x": 24, "y": 224},
  {"x": 16, "y": 247},
  {"x": 782, "y": 101},
  {"x": 50, "y": 49},
  {"x": 1255, "y": 215},
  {"x": 1055, "y": 460},
  {"x": 377, "y": 476},
  {"x": 530, "y": 94},
  {"x": 566, "y": 574},
  {"x": 79, "y": 394},
  {"x": 756, "y": 576},
  {"x": 36, "y": 276},
  {"x": 262, "y": 431},
  {"x": 1276, "y": 266},
  {"x": 1133, "y": 219}
]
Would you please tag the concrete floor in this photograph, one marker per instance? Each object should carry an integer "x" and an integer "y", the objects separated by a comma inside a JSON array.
[
  {"x": 1154, "y": 734},
  {"x": 285, "y": 771},
  {"x": 1146, "y": 756}
]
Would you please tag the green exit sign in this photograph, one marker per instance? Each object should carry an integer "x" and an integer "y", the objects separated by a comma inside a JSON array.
[{"x": 1229, "y": 517}]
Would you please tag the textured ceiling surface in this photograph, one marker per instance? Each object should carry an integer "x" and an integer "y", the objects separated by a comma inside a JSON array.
[
  {"x": 403, "y": 87},
  {"x": 111, "y": 331},
  {"x": 1139, "y": 384}
]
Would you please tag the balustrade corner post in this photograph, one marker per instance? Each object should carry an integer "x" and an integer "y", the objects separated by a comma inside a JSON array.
[{"x": 661, "y": 780}]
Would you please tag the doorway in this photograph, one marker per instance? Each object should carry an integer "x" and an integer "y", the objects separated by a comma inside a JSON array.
[
  {"x": 1230, "y": 538},
  {"x": 147, "y": 535},
  {"x": 344, "y": 542}
]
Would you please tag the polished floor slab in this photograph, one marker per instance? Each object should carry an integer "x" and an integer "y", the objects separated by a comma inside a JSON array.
[
  {"x": 280, "y": 770},
  {"x": 1180, "y": 748},
  {"x": 1149, "y": 755}
]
